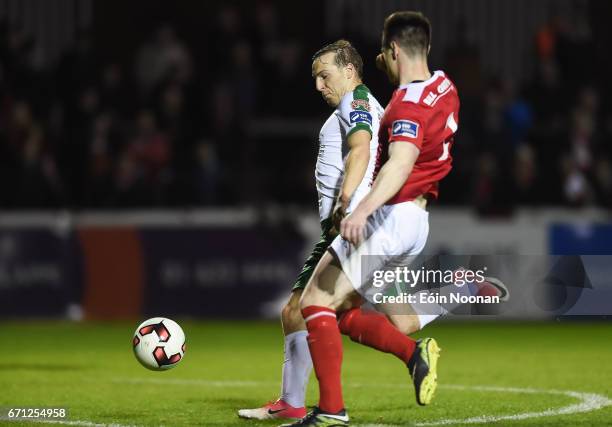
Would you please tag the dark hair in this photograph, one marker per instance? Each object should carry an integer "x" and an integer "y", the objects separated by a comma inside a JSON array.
[
  {"x": 345, "y": 54},
  {"x": 410, "y": 30}
]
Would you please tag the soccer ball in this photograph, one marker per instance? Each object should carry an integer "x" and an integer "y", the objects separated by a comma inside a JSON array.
[{"x": 159, "y": 344}]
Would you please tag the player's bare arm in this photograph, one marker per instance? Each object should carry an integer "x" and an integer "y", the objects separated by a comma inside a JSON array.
[
  {"x": 390, "y": 179},
  {"x": 356, "y": 164}
]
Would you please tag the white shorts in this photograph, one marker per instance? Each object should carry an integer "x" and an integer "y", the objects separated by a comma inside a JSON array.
[
  {"x": 327, "y": 204},
  {"x": 392, "y": 231}
]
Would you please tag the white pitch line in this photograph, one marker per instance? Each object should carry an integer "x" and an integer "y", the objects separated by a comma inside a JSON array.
[{"x": 586, "y": 402}]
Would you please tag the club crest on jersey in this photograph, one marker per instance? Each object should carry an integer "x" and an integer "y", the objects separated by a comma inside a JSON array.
[
  {"x": 406, "y": 128},
  {"x": 360, "y": 104},
  {"x": 361, "y": 117}
]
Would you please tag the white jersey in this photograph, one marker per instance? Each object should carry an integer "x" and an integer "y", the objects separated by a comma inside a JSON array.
[{"x": 358, "y": 110}]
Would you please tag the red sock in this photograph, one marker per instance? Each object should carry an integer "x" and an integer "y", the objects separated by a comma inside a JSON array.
[
  {"x": 376, "y": 331},
  {"x": 325, "y": 345}
]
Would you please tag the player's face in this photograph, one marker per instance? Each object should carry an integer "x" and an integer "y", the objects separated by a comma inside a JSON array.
[
  {"x": 330, "y": 80},
  {"x": 388, "y": 64}
]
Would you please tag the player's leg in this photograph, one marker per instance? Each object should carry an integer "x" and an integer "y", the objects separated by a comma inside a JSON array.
[
  {"x": 328, "y": 289},
  {"x": 374, "y": 330},
  {"x": 390, "y": 335},
  {"x": 407, "y": 223},
  {"x": 297, "y": 366},
  {"x": 297, "y": 363},
  {"x": 423, "y": 363}
]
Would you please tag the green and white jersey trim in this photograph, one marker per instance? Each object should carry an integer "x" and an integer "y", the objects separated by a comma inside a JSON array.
[{"x": 358, "y": 110}]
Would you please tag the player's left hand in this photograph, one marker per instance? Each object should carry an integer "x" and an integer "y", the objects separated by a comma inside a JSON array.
[{"x": 352, "y": 228}]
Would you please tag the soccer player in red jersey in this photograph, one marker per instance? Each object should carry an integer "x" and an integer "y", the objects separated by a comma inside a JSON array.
[{"x": 415, "y": 137}]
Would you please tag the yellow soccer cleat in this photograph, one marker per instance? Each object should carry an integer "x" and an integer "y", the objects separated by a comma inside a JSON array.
[{"x": 423, "y": 367}]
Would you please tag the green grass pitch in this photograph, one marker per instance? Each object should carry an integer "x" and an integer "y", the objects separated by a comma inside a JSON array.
[{"x": 89, "y": 368}]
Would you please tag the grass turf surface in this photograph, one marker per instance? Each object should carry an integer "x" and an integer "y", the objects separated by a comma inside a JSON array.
[{"x": 89, "y": 368}]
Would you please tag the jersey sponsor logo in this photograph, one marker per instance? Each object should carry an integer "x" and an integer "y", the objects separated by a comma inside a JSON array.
[
  {"x": 360, "y": 117},
  {"x": 406, "y": 128},
  {"x": 360, "y": 104}
]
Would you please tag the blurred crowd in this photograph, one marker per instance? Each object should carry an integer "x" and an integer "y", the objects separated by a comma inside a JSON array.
[
  {"x": 176, "y": 125},
  {"x": 546, "y": 141}
]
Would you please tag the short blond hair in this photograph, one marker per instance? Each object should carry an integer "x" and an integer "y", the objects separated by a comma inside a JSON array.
[{"x": 345, "y": 54}]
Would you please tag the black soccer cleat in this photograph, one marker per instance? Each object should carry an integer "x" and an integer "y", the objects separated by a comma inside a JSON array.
[{"x": 317, "y": 418}]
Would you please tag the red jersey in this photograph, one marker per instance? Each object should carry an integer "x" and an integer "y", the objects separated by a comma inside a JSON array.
[{"x": 425, "y": 114}]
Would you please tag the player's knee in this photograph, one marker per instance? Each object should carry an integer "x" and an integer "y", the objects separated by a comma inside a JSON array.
[
  {"x": 307, "y": 299},
  {"x": 406, "y": 324},
  {"x": 291, "y": 313},
  {"x": 314, "y": 296}
]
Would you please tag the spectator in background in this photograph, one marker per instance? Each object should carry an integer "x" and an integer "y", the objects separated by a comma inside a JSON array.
[
  {"x": 603, "y": 187},
  {"x": 143, "y": 172},
  {"x": 207, "y": 173},
  {"x": 115, "y": 92},
  {"x": 288, "y": 65},
  {"x": 102, "y": 154},
  {"x": 579, "y": 162},
  {"x": 79, "y": 132},
  {"x": 492, "y": 185},
  {"x": 525, "y": 171},
  {"x": 547, "y": 96},
  {"x": 73, "y": 151},
  {"x": 225, "y": 33},
  {"x": 518, "y": 115},
  {"x": 268, "y": 39},
  {"x": 76, "y": 70},
  {"x": 243, "y": 80},
  {"x": 160, "y": 57},
  {"x": 38, "y": 181},
  {"x": 549, "y": 101},
  {"x": 18, "y": 62}
]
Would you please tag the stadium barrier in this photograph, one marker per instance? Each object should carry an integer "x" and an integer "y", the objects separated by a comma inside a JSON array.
[{"x": 234, "y": 263}]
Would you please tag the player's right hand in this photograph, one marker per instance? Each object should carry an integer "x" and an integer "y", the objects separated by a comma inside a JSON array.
[{"x": 352, "y": 228}]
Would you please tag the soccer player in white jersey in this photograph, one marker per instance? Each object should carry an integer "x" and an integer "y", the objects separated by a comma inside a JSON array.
[
  {"x": 416, "y": 135},
  {"x": 348, "y": 143}
]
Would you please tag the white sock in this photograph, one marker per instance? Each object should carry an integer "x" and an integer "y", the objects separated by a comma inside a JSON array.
[{"x": 296, "y": 369}]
